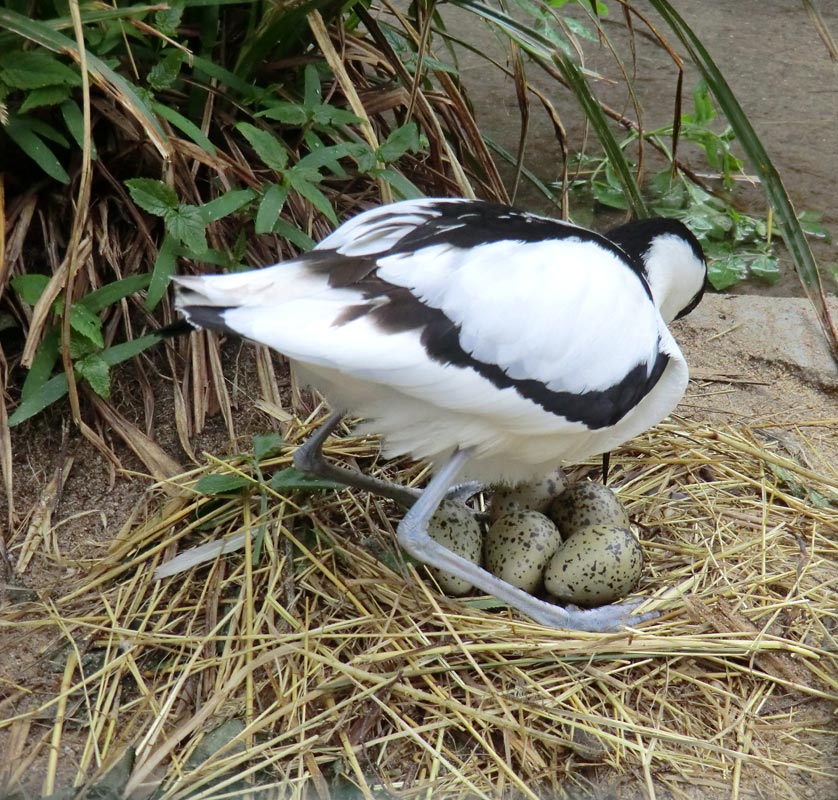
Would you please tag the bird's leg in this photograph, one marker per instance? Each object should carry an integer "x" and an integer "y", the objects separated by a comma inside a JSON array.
[
  {"x": 606, "y": 466},
  {"x": 412, "y": 533},
  {"x": 309, "y": 459}
]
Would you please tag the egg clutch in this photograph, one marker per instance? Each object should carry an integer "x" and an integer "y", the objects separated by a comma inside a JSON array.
[{"x": 573, "y": 540}]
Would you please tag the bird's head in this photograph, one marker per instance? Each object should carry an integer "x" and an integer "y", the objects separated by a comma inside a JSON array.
[{"x": 672, "y": 261}]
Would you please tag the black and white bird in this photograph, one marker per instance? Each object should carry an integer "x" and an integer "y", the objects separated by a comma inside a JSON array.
[{"x": 492, "y": 342}]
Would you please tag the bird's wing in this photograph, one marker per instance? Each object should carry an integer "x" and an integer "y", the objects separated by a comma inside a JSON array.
[{"x": 429, "y": 295}]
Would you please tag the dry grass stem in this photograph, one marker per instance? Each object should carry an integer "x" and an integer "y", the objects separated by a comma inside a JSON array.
[{"x": 313, "y": 657}]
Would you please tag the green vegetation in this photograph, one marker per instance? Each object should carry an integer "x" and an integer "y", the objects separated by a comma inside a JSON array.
[{"x": 149, "y": 139}]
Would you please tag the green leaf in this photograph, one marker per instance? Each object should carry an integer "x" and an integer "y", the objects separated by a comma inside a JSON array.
[
  {"x": 812, "y": 224},
  {"x": 22, "y": 132},
  {"x": 311, "y": 193},
  {"x": 328, "y": 156},
  {"x": 117, "y": 353},
  {"x": 30, "y": 287},
  {"x": 270, "y": 208},
  {"x": 185, "y": 126},
  {"x": 221, "y": 484},
  {"x": 84, "y": 322},
  {"x": 186, "y": 224},
  {"x": 404, "y": 139},
  {"x": 267, "y": 444},
  {"x": 74, "y": 120},
  {"x": 167, "y": 20},
  {"x": 286, "y": 113},
  {"x": 152, "y": 196},
  {"x": 766, "y": 268},
  {"x": 405, "y": 189},
  {"x": 42, "y": 364},
  {"x": 291, "y": 479},
  {"x": 332, "y": 115},
  {"x": 95, "y": 370},
  {"x": 165, "y": 71},
  {"x": 312, "y": 94},
  {"x": 47, "y": 96},
  {"x": 226, "y": 204},
  {"x": 43, "y": 34},
  {"x": 164, "y": 267},
  {"x": 267, "y": 146},
  {"x": 98, "y": 300},
  {"x": 609, "y": 196},
  {"x": 35, "y": 69},
  {"x": 725, "y": 272},
  {"x": 793, "y": 234},
  {"x": 294, "y": 235},
  {"x": 40, "y": 398}
]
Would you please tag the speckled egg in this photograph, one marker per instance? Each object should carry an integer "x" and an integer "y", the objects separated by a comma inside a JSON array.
[
  {"x": 518, "y": 547},
  {"x": 533, "y": 495},
  {"x": 455, "y": 527},
  {"x": 597, "y": 565},
  {"x": 584, "y": 504}
]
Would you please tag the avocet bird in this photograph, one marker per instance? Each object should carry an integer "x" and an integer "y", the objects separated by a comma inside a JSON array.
[{"x": 492, "y": 342}]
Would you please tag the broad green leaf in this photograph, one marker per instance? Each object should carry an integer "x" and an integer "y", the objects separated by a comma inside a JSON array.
[
  {"x": 314, "y": 196},
  {"x": 287, "y": 113},
  {"x": 39, "y": 398},
  {"x": 43, "y": 395},
  {"x": 267, "y": 146},
  {"x": 165, "y": 71},
  {"x": 293, "y": 235},
  {"x": 291, "y": 479},
  {"x": 99, "y": 299},
  {"x": 74, "y": 120},
  {"x": 42, "y": 364},
  {"x": 267, "y": 444},
  {"x": 270, "y": 208},
  {"x": 185, "y": 126},
  {"x": 725, "y": 272},
  {"x": 117, "y": 353},
  {"x": 812, "y": 224},
  {"x": 226, "y": 204},
  {"x": 122, "y": 90},
  {"x": 332, "y": 115},
  {"x": 609, "y": 196},
  {"x": 405, "y": 189},
  {"x": 22, "y": 132},
  {"x": 95, "y": 370},
  {"x": 326, "y": 156},
  {"x": 404, "y": 139},
  {"x": 87, "y": 324},
  {"x": 312, "y": 93},
  {"x": 35, "y": 69},
  {"x": 168, "y": 19},
  {"x": 47, "y": 96},
  {"x": 30, "y": 287},
  {"x": 152, "y": 196},
  {"x": 766, "y": 268},
  {"x": 186, "y": 224},
  {"x": 164, "y": 268},
  {"x": 221, "y": 484}
]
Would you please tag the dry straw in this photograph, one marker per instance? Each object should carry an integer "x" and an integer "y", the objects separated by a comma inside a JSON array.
[{"x": 314, "y": 662}]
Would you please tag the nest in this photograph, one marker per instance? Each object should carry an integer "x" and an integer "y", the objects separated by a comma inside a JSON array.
[{"x": 315, "y": 660}]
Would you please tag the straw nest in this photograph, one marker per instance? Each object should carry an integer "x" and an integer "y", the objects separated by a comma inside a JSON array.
[{"x": 314, "y": 660}]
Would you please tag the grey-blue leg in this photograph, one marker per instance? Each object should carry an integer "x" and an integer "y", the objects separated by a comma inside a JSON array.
[
  {"x": 413, "y": 536},
  {"x": 309, "y": 458}
]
